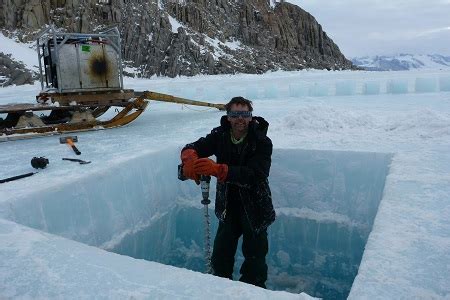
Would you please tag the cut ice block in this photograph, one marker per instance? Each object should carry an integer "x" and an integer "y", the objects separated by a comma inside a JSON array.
[
  {"x": 298, "y": 90},
  {"x": 426, "y": 85},
  {"x": 318, "y": 90},
  {"x": 397, "y": 86},
  {"x": 371, "y": 88},
  {"x": 444, "y": 83},
  {"x": 345, "y": 88},
  {"x": 270, "y": 91},
  {"x": 251, "y": 92}
]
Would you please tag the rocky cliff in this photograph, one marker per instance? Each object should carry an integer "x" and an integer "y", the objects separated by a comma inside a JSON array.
[{"x": 189, "y": 37}]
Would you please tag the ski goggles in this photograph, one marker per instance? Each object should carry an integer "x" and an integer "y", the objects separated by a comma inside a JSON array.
[{"x": 237, "y": 114}]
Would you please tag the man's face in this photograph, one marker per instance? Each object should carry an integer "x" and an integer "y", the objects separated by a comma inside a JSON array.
[{"x": 239, "y": 124}]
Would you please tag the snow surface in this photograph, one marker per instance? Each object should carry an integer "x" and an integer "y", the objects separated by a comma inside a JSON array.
[
  {"x": 175, "y": 24},
  {"x": 47, "y": 266},
  {"x": 217, "y": 49},
  {"x": 48, "y": 221},
  {"x": 407, "y": 253}
]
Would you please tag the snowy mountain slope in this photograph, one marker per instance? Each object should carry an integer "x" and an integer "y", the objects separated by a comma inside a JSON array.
[
  {"x": 21, "y": 52},
  {"x": 172, "y": 38},
  {"x": 403, "y": 62},
  {"x": 17, "y": 62}
]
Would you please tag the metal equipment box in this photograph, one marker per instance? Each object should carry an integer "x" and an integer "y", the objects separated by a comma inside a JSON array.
[
  {"x": 88, "y": 67},
  {"x": 74, "y": 62}
]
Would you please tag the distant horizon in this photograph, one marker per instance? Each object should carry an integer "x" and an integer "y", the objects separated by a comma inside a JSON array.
[
  {"x": 374, "y": 27},
  {"x": 398, "y": 54}
]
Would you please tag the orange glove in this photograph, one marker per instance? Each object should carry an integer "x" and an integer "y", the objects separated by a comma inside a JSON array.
[
  {"x": 188, "y": 158},
  {"x": 206, "y": 166}
]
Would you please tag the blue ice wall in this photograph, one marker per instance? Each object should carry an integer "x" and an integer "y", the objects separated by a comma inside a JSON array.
[
  {"x": 326, "y": 202},
  {"x": 371, "y": 88},
  {"x": 397, "y": 86},
  {"x": 349, "y": 184},
  {"x": 100, "y": 208},
  {"x": 345, "y": 88},
  {"x": 444, "y": 83},
  {"x": 311, "y": 86},
  {"x": 426, "y": 85}
]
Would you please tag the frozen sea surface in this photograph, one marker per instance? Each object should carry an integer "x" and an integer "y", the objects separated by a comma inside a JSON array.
[{"x": 403, "y": 114}]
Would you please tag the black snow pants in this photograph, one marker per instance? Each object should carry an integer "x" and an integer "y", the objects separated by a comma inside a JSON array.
[{"x": 254, "y": 248}]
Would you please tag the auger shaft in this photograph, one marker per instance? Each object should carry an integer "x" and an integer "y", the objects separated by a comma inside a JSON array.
[{"x": 204, "y": 183}]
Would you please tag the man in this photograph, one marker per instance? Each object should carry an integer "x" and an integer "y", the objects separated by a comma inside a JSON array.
[{"x": 243, "y": 199}]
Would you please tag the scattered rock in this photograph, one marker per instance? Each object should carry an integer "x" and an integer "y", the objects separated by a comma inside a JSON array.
[{"x": 12, "y": 72}]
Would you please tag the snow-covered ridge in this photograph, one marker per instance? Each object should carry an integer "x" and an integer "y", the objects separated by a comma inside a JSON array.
[
  {"x": 20, "y": 52},
  {"x": 402, "y": 62}
]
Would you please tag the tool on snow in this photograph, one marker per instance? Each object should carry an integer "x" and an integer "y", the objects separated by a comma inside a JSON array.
[
  {"x": 70, "y": 140},
  {"x": 17, "y": 177},
  {"x": 36, "y": 162},
  {"x": 82, "y": 162}
]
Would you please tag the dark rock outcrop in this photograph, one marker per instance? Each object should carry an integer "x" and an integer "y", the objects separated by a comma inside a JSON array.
[
  {"x": 189, "y": 37},
  {"x": 12, "y": 72}
]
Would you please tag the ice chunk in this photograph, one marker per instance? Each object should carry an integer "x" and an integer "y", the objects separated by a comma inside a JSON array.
[
  {"x": 345, "y": 88},
  {"x": 251, "y": 92},
  {"x": 189, "y": 93},
  {"x": 232, "y": 91},
  {"x": 397, "y": 86},
  {"x": 174, "y": 90},
  {"x": 318, "y": 90},
  {"x": 298, "y": 90},
  {"x": 444, "y": 83},
  {"x": 211, "y": 93},
  {"x": 426, "y": 85},
  {"x": 371, "y": 88},
  {"x": 270, "y": 91}
]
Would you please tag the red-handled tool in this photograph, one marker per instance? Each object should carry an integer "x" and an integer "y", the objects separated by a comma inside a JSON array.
[{"x": 70, "y": 140}]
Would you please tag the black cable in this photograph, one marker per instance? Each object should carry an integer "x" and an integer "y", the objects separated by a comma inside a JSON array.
[{"x": 17, "y": 177}]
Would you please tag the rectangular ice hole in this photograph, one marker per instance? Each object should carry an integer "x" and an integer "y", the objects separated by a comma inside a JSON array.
[{"x": 326, "y": 203}]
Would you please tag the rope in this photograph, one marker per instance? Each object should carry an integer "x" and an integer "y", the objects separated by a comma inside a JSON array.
[{"x": 198, "y": 110}]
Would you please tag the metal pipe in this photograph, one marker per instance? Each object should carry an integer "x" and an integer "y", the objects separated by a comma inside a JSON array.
[
  {"x": 58, "y": 73},
  {"x": 169, "y": 98},
  {"x": 41, "y": 78},
  {"x": 120, "y": 58}
]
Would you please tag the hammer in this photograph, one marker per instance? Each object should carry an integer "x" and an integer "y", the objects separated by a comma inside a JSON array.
[{"x": 70, "y": 140}]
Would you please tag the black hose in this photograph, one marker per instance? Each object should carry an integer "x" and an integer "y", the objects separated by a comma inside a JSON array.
[{"x": 17, "y": 177}]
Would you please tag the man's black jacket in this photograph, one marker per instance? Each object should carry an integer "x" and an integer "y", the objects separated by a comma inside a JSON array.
[{"x": 249, "y": 176}]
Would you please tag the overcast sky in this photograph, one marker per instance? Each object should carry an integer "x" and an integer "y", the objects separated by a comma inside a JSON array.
[{"x": 377, "y": 27}]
